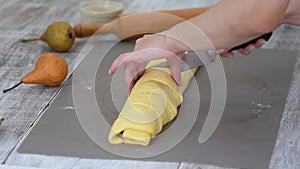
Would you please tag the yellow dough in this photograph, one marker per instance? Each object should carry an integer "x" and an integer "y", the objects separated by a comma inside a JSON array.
[{"x": 151, "y": 104}]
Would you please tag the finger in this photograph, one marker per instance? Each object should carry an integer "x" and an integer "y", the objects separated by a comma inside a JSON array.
[
  {"x": 133, "y": 71},
  {"x": 227, "y": 54},
  {"x": 176, "y": 74},
  {"x": 135, "y": 79},
  {"x": 219, "y": 51},
  {"x": 175, "y": 66},
  {"x": 138, "y": 40},
  {"x": 129, "y": 75},
  {"x": 247, "y": 50},
  {"x": 118, "y": 62},
  {"x": 260, "y": 43},
  {"x": 180, "y": 54},
  {"x": 131, "y": 84},
  {"x": 137, "y": 44}
]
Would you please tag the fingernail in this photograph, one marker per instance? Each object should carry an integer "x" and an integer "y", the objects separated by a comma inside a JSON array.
[{"x": 109, "y": 71}]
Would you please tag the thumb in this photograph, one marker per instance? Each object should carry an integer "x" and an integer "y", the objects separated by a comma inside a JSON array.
[{"x": 118, "y": 62}]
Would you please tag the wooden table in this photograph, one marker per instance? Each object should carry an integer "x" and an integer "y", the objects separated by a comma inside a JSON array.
[{"x": 21, "y": 107}]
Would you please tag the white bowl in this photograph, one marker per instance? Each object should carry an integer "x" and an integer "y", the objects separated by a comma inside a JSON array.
[{"x": 100, "y": 11}]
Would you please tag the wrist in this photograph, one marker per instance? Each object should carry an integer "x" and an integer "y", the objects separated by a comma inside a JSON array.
[{"x": 186, "y": 36}]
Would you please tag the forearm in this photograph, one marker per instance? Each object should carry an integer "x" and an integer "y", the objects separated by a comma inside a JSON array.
[{"x": 231, "y": 22}]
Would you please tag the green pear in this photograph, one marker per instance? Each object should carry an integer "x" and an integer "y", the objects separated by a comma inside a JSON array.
[{"x": 60, "y": 36}]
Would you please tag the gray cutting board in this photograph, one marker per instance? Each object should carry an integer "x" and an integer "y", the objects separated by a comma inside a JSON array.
[{"x": 257, "y": 89}]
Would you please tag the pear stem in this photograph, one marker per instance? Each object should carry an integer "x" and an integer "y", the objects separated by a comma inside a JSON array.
[
  {"x": 9, "y": 89},
  {"x": 28, "y": 40}
]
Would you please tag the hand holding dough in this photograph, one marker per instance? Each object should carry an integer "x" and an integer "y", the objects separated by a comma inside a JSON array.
[{"x": 151, "y": 104}]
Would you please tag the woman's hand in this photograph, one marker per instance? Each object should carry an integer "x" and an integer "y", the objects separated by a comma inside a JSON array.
[{"x": 150, "y": 47}]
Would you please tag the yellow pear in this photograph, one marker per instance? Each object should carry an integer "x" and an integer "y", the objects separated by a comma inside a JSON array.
[
  {"x": 50, "y": 70},
  {"x": 60, "y": 36}
]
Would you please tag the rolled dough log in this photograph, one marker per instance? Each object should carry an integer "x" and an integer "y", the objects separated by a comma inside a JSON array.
[{"x": 151, "y": 104}]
